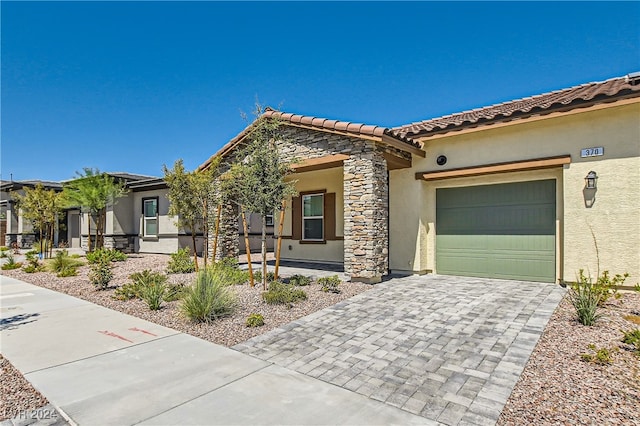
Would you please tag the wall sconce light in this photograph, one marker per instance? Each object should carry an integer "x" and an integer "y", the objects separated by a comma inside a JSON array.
[{"x": 590, "y": 180}]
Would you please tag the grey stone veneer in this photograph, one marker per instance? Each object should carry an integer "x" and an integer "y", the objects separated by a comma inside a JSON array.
[{"x": 366, "y": 208}]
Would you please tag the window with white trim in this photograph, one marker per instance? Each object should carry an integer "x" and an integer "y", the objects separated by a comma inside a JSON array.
[
  {"x": 269, "y": 219},
  {"x": 150, "y": 217},
  {"x": 313, "y": 217}
]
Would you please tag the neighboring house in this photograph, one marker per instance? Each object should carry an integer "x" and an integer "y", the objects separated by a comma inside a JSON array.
[
  {"x": 531, "y": 189},
  {"x": 138, "y": 222},
  {"x": 18, "y": 230}
]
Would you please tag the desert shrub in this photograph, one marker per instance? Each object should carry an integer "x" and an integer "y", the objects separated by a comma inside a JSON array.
[
  {"x": 11, "y": 263},
  {"x": 637, "y": 288},
  {"x": 33, "y": 262},
  {"x": 153, "y": 294},
  {"x": 3, "y": 252},
  {"x": 174, "y": 292},
  {"x": 100, "y": 275},
  {"x": 106, "y": 255},
  {"x": 67, "y": 272},
  {"x": 606, "y": 286},
  {"x": 330, "y": 284},
  {"x": 63, "y": 263},
  {"x": 257, "y": 276},
  {"x": 255, "y": 320},
  {"x": 299, "y": 280},
  {"x": 601, "y": 356},
  {"x": 585, "y": 298},
  {"x": 283, "y": 294},
  {"x": 632, "y": 337},
  {"x": 40, "y": 246},
  {"x": 209, "y": 298},
  {"x": 127, "y": 292},
  {"x": 232, "y": 273},
  {"x": 181, "y": 262}
]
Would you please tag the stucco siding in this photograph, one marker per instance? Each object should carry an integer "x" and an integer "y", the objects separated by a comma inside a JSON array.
[
  {"x": 612, "y": 222},
  {"x": 614, "y": 216},
  {"x": 332, "y": 251}
]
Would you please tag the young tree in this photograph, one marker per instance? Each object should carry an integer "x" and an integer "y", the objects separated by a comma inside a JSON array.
[
  {"x": 191, "y": 195},
  {"x": 93, "y": 191},
  {"x": 42, "y": 208},
  {"x": 258, "y": 178}
]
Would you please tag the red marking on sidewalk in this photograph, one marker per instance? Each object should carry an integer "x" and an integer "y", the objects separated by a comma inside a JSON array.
[
  {"x": 143, "y": 331},
  {"x": 109, "y": 333}
]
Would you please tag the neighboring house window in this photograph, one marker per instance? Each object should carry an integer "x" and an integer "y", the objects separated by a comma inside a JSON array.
[
  {"x": 150, "y": 217},
  {"x": 313, "y": 217},
  {"x": 269, "y": 219}
]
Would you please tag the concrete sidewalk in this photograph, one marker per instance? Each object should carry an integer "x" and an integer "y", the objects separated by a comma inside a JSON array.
[{"x": 100, "y": 366}]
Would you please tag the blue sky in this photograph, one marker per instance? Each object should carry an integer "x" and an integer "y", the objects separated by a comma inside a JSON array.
[{"x": 132, "y": 86}]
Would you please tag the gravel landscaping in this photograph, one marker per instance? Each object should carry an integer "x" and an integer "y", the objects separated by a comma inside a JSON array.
[
  {"x": 17, "y": 393},
  {"x": 557, "y": 387}
]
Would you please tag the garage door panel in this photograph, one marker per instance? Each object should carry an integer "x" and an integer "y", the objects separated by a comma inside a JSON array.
[{"x": 500, "y": 231}]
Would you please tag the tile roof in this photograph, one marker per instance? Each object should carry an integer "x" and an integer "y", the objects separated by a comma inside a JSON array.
[
  {"x": 354, "y": 129},
  {"x": 321, "y": 124},
  {"x": 560, "y": 100}
]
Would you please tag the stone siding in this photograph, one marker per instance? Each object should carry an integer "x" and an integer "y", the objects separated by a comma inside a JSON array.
[{"x": 366, "y": 232}]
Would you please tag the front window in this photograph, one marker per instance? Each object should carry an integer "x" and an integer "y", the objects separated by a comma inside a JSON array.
[
  {"x": 150, "y": 217},
  {"x": 312, "y": 217}
]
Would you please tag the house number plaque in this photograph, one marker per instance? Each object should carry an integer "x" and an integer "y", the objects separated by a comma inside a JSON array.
[{"x": 592, "y": 152}]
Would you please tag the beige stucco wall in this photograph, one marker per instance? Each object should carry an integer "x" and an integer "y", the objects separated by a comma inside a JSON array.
[
  {"x": 614, "y": 218},
  {"x": 332, "y": 251}
]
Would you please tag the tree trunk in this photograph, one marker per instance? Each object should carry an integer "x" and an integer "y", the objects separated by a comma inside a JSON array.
[
  {"x": 205, "y": 232},
  {"x": 193, "y": 241},
  {"x": 215, "y": 240},
  {"x": 247, "y": 248},
  {"x": 264, "y": 252},
  {"x": 279, "y": 246},
  {"x": 51, "y": 233},
  {"x": 43, "y": 250},
  {"x": 89, "y": 232}
]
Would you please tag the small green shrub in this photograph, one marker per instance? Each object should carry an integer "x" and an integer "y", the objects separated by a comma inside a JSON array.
[
  {"x": 283, "y": 294},
  {"x": 11, "y": 263},
  {"x": 153, "y": 295},
  {"x": 106, "y": 255},
  {"x": 148, "y": 277},
  {"x": 127, "y": 292},
  {"x": 100, "y": 275},
  {"x": 602, "y": 356},
  {"x": 606, "y": 286},
  {"x": 3, "y": 252},
  {"x": 299, "y": 280},
  {"x": 255, "y": 320},
  {"x": 174, "y": 292},
  {"x": 181, "y": 262},
  {"x": 33, "y": 262},
  {"x": 637, "y": 288},
  {"x": 40, "y": 246},
  {"x": 233, "y": 275},
  {"x": 585, "y": 298},
  {"x": 257, "y": 276},
  {"x": 632, "y": 337},
  {"x": 70, "y": 271},
  {"x": 209, "y": 298},
  {"x": 330, "y": 284},
  {"x": 63, "y": 262}
]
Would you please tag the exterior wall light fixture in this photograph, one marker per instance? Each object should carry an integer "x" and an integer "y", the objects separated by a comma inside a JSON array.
[{"x": 590, "y": 180}]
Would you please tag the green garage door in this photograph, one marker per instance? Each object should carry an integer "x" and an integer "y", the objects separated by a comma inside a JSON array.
[{"x": 497, "y": 231}]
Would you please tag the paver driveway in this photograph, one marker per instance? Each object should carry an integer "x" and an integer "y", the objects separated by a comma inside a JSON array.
[{"x": 447, "y": 348}]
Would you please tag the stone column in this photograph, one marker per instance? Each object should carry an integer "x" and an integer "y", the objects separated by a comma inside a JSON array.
[
  {"x": 228, "y": 235},
  {"x": 366, "y": 209}
]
